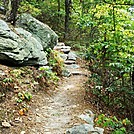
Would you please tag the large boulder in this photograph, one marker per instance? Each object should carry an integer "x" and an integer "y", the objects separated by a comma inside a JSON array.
[
  {"x": 40, "y": 31},
  {"x": 19, "y": 47}
]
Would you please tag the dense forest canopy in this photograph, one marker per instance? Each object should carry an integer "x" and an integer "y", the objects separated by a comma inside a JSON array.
[{"x": 104, "y": 31}]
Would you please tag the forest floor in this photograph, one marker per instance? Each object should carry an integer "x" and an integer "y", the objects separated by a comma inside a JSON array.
[{"x": 52, "y": 111}]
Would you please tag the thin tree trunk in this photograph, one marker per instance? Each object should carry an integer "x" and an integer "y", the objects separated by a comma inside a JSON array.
[
  {"x": 133, "y": 78},
  {"x": 11, "y": 14},
  {"x": 58, "y": 6},
  {"x": 58, "y": 1},
  {"x": 67, "y": 17}
]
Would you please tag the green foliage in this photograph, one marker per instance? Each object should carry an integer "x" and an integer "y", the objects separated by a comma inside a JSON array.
[
  {"x": 56, "y": 62},
  {"x": 24, "y": 96},
  {"x": 110, "y": 34},
  {"x": 0, "y": 3},
  {"x": 116, "y": 126},
  {"x": 31, "y": 7},
  {"x": 17, "y": 73},
  {"x": 6, "y": 80},
  {"x": 48, "y": 74},
  {"x": 105, "y": 29}
]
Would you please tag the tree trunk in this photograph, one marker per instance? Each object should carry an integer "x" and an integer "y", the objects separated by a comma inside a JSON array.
[
  {"x": 67, "y": 17},
  {"x": 5, "y": 4},
  {"x": 58, "y": 2},
  {"x": 133, "y": 79},
  {"x": 58, "y": 5},
  {"x": 11, "y": 13}
]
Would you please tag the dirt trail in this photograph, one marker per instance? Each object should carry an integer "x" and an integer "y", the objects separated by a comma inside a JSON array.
[{"x": 55, "y": 113}]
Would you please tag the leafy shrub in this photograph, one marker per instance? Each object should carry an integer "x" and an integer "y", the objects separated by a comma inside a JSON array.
[
  {"x": 110, "y": 57},
  {"x": 24, "y": 96},
  {"x": 29, "y": 7},
  {"x": 113, "y": 124},
  {"x": 48, "y": 74},
  {"x": 6, "y": 80},
  {"x": 56, "y": 62},
  {"x": 112, "y": 75}
]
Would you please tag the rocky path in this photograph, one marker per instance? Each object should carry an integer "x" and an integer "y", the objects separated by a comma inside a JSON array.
[
  {"x": 60, "y": 111},
  {"x": 55, "y": 111},
  {"x": 63, "y": 110}
]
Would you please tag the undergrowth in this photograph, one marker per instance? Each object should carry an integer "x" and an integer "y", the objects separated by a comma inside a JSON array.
[{"x": 113, "y": 125}]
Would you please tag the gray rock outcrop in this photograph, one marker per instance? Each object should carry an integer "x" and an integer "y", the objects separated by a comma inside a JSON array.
[
  {"x": 81, "y": 129},
  {"x": 87, "y": 128},
  {"x": 19, "y": 47},
  {"x": 40, "y": 31},
  {"x": 26, "y": 45}
]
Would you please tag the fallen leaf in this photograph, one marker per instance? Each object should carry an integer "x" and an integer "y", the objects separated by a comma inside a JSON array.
[{"x": 21, "y": 112}]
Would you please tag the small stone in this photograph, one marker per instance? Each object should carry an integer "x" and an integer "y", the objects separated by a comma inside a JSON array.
[
  {"x": 66, "y": 73},
  {"x": 81, "y": 129},
  {"x": 2, "y": 72},
  {"x": 29, "y": 119},
  {"x": 38, "y": 114},
  {"x": 6, "y": 124},
  {"x": 43, "y": 107},
  {"x": 37, "y": 109},
  {"x": 27, "y": 82},
  {"x": 46, "y": 130},
  {"x": 87, "y": 118},
  {"x": 22, "y": 132},
  {"x": 35, "y": 83},
  {"x": 17, "y": 120},
  {"x": 100, "y": 130},
  {"x": 101, "y": 111},
  {"x": 73, "y": 106},
  {"x": 16, "y": 87}
]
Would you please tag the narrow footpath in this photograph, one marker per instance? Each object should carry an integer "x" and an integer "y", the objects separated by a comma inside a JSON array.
[
  {"x": 60, "y": 111},
  {"x": 63, "y": 110}
]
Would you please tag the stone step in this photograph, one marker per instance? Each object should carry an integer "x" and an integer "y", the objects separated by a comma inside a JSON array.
[
  {"x": 62, "y": 47},
  {"x": 65, "y": 50},
  {"x": 72, "y": 66},
  {"x": 69, "y": 62},
  {"x": 72, "y": 56},
  {"x": 60, "y": 44},
  {"x": 64, "y": 56}
]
